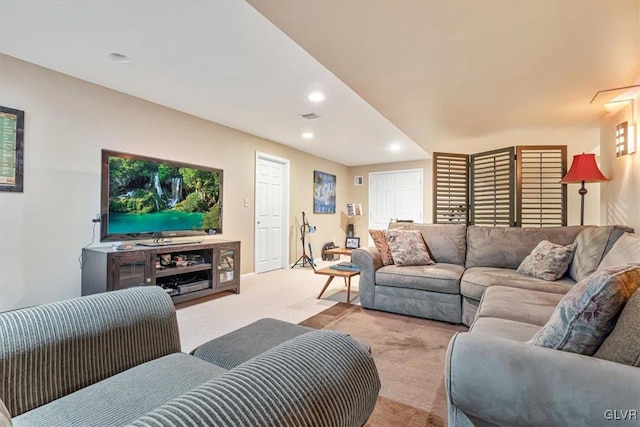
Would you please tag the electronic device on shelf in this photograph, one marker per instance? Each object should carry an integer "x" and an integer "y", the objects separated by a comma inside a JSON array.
[{"x": 147, "y": 198}]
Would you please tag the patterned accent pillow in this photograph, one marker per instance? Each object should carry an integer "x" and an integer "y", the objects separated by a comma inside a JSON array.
[
  {"x": 547, "y": 261},
  {"x": 380, "y": 240},
  {"x": 587, "y": 313},
  {"x": 408, "y": 247}
]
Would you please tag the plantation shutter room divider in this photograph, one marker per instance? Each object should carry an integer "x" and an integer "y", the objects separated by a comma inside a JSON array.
[
  {"x": 513, "y": 186},
  {"x": 542, "y": 200},
  {"x": 493, "y": 188},
  {"x": 450, "y": 188}
]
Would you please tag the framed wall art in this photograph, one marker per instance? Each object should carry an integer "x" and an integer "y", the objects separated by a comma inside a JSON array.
[
  {"x": 352, "y": 243},
  {"x": 324, "y": 193},
  {"x": 11, "y": 149}
]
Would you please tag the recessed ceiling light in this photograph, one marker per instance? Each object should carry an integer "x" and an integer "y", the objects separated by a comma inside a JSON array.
[
  {"x": 394, "y": 147},
  {"x": 307, "y": 135},
  {"x": 119, "y": 57},
  {"x": 316, "y": 97}
]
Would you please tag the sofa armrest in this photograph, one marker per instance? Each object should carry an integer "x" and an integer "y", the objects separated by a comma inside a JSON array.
[
  {"x": 54, "y": 349},
  {"x": 506, "y": 382},
  {"x": 369, "y": 261},
  {"x": 322, "y": 378}
]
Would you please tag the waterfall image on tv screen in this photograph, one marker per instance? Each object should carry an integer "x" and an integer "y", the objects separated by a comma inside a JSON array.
[{"x": 154, "y": 196}]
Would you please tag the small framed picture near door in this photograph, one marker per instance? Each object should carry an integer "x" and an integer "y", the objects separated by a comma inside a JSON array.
[{"x": 352, "y": 243}]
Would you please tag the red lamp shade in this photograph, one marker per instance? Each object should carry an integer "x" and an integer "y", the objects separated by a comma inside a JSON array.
[{"x": 584, "y": 168}]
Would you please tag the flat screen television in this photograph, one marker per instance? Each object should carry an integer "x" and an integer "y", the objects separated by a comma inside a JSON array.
[{"x": 147, "y": 198}]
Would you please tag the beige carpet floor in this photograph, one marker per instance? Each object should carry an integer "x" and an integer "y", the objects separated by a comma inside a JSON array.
[
  {"x": 409, "y": 353},
  {"x": 288, "y": 294}
]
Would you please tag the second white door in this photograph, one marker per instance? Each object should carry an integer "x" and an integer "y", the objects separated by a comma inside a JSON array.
[{"x": 395, "y": 195}]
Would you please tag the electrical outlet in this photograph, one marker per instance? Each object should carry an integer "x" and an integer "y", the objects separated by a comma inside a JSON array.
[{"x": 246, "y": 202}]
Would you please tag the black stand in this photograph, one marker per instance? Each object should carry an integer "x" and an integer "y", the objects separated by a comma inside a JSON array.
[
  {"x": 582, "y": 191},
  {"x": 304, "y": 258}
]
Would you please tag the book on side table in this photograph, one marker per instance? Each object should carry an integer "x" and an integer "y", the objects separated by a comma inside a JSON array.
[{"x": 345, "y": 266}]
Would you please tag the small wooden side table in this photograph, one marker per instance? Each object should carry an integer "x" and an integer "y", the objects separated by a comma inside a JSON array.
[
  {"x": 347, "y": 275},
  {"x": 339, "y": 251}
]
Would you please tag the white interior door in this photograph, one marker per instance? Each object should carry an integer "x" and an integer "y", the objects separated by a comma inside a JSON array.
[
  {"x": 395, "y": 195},
  {"x": 381, "y": 200},
  {"x": 272, "y": 207},
  {"x": 408, "y": 195}
]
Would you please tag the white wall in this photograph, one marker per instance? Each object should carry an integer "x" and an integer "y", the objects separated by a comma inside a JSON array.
[
  {"x": 67, "y": 123},
  {"x": 620, "y": 197}
]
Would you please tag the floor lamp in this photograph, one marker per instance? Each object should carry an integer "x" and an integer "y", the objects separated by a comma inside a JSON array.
[{"x": 583, "y": 169}]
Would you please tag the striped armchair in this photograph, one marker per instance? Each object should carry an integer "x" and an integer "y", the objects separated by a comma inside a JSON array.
[{"x": 114, "y": 359}]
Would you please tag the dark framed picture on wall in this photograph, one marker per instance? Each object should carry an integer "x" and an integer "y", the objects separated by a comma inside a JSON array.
[
  {"x": 324, "y": 193},
  {"x": 11, "y": 149}
]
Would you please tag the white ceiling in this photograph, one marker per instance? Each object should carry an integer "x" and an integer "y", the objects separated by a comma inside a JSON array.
[
  {"x": 451, "y": 73},
  {"x": 219, "y": 60},
  {"x": 432, "y": 75}
]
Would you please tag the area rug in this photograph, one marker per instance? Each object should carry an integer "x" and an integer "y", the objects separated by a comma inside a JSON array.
[{"x": 409, "y": 353}]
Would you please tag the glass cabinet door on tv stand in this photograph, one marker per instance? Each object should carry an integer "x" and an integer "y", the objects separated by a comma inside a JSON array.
[
  {"x": 226, "y": 266},
  {"x": 129, "y": 270}
]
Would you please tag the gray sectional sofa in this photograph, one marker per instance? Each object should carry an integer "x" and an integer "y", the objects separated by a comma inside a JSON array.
[
  {"x": 468, "y": 260},
  {"x": 114, "y": 359},
  {"x": 494, "y": 378}
]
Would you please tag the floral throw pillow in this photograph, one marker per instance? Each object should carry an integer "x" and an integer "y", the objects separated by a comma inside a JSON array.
[
  {"x": 547, "y": 261},
  {"x": 588, "y": 312},
  {"x": 408, "y": 247},
  {"x": 380, "y": 240}
]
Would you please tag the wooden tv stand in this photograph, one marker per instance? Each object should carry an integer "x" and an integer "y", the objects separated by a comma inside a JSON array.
[{"x": 186, "y": 271}]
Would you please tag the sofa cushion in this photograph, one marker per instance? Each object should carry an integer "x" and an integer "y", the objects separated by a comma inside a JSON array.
[
  {"x": 126, "y": 396},
  {"x": 587, "y": 313},
  {"x": 415, "y": 302},
  {"x": 547, "y": 261},
  {"x": 624, "y": 251},
  {"x": 476, "y": 279},
  {"x": 446, "y": 242},
  {"x": 591, "y": 244},
  {"x": 438, "y": 277},
  {"x": 623, "y": 343},
  {"x": 520, "y": 305},
  {"x": 408, "y": 247},
  {"x": 503, "y": 328},
  {"x": 243, "y": 344},
  {"x": 506, "y": 247},
  {"x": 380, "y": 241}
]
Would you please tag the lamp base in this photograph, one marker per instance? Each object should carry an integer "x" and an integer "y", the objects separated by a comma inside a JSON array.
[{"x": 582, "y": 191}]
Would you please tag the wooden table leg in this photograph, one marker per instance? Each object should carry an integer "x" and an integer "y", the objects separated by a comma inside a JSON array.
[
  {"x": 325, "y": 286},
  {"x": 348, "y": 288}
]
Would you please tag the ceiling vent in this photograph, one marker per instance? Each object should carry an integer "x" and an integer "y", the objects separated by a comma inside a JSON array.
[{"x": 310, "y": 116}]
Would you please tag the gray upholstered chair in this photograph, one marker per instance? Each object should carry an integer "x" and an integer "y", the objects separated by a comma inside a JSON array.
[{"x": 114, "y": 359}]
